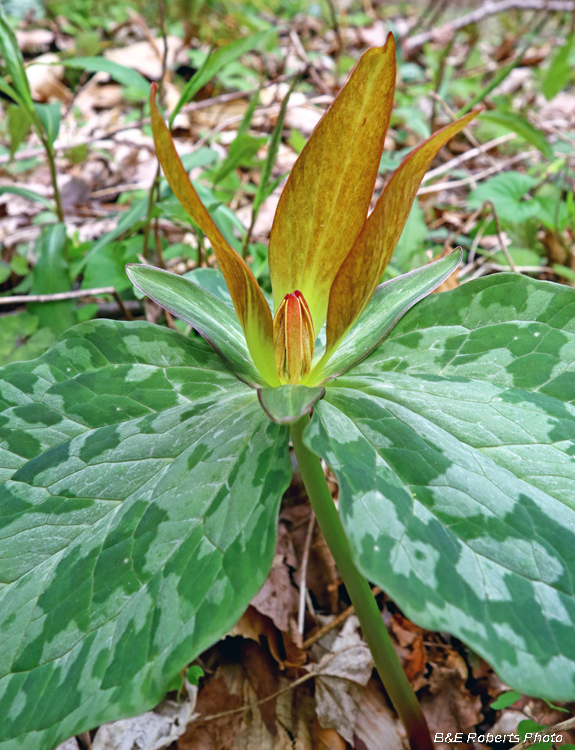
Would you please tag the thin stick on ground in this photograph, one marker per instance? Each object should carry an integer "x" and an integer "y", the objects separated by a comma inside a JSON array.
[
  {"x": 489, "y": 8},
  {"x": 303, "y": 576},
  {"x": 23, "y": 299},
  {"x": 334, "y": 623},
  {"x": 563, "y": 726}
]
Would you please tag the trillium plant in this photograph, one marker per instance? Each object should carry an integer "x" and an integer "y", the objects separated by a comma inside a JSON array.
[{"x": 143, "y": 470}]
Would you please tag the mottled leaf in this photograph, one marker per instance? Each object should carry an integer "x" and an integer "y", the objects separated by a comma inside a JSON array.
[
  {"x": 205, "y": 312},
  {"x": 391, "y": 300},
  {"x": 288, "y": 403},
  {"x": 137, "y": 524},
  {"x": 453, "y": 446},
  {"x": 325, "y": 201},
  {"x": 250, "y": 305},
  {"x": 363, "y": 267}
]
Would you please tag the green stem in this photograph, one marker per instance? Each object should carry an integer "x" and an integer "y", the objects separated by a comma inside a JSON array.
[
  {"x": 52, "y": 164},
  {"x": 373, "y": 627}
]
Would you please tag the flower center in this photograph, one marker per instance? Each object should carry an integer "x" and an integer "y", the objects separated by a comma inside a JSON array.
[{"x": 293, "y": 338}]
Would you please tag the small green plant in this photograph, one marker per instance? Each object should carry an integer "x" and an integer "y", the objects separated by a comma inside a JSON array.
[
  {"x": 44, "y": 118},
  {"x": 143, "y": 470}
]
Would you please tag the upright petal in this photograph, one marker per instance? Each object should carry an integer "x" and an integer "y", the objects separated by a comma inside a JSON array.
[
  {"x": 326, "y": 198},
  {"x": 362, "y": 269},
  {"x": 249, "y": 302}
]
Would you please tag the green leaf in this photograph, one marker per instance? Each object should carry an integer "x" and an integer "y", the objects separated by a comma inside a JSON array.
[
  {"x": 528, "y": 726},
  {"x": 127, "y": 221},
  {"x": 288, "y": 403},
  {"x": 213, "y": 280},
  {"x": 49, "y": 115},
  {"x": 213, "y": 319},
  {"x": 139, "y": 521},
  {"x": 507, "y": 191},
  {"x": 50, "y": 275},
  {"x": 560, "y": 71},
  {"x": 411, "y": 239},
  {"x": 108, "y": 267},
  {"x": 506, "y": 699},
  {"x": 120, "y": 73},
  {"x": 19, "y": 124},
  {"x": 521, "y": 256},
  {"x": 273, "y": 147},
  {"x": 242, "y": 150},
  {"x": 14, "y": 64},
  {"x": 453, "y": 447},
  {"x": 214, "y": 63},
  {"x": 30, "y": 195},
  {"x": 19, "y": 265},
  {"x": 22, "y": 340},
  {"x": 518, "y": 124},
  {"x": 390, "y": 302}
]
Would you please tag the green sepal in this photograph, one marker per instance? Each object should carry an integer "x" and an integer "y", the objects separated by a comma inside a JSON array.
[
  {"x": 288, "y": 403},
  {"x": 204, "y": 311},
  {"x": 391, "y": 301}
]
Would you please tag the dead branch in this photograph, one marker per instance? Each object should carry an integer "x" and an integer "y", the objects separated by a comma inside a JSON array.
[{"x": 489, "y": 8}]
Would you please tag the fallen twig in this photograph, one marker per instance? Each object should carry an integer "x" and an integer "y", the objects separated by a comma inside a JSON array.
[
  {"x": 563, "y": 726},
  {"x": 23, "y": 299},
  {"x": 475, "y": 177},
  {"x": 334, "y": 623},
  {"x": 489, "y": 8}
]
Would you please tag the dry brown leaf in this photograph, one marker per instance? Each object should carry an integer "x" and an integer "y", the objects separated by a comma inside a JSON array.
[
  {"x": 451, "y": 282},
  {"x": 374, "y": 35},
  {"x": 255, "y": 625},
  {"x": 71, "y": 744},
  {"x": 377, "y": 727},
  {"x": 45, "y": 79},
  {"x": 303, "y": 119},
  {"x": 145, "y": 57},
  {"x": 152, "y": 730},
  {"x": 322, "y": 578},
  {"x": 245, "y": 730},
  {"x": 262, "y": 673},
  {"x": 449, "y": 706},
  {"x": 218, "y": 694},
  {"x": 33, "y": 40},
  {"x": 278, "y": 599},
  {"x": 560, "y": 110},
  {"x": 342, "y": 676},
  {"x": 412, "y": 649},
  {"x": 94, "y": 96},
  {"x": 326, "y": 739}
]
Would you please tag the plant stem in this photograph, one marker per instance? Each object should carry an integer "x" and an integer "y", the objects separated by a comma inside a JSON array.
[
  {"x": 52, "y": 164},
  {"x": 372, "y": 625}
]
